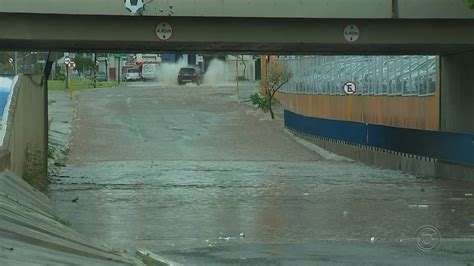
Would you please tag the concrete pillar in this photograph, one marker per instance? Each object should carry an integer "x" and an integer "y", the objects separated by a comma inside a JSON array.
[{"x": 457, "y": 93}]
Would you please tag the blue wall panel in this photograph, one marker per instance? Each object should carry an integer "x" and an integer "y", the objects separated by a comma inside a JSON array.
[
  {"x": 451, "y": 147},
  {"x": 351, "y": 132}
]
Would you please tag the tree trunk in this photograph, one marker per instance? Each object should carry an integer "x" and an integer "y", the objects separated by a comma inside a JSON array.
[
  {"x": 270, "y": 109},
  {"x": 245, "y": 66}
]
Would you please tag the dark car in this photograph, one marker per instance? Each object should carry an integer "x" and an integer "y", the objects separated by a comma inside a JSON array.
[{"x": 189, "y": 75}]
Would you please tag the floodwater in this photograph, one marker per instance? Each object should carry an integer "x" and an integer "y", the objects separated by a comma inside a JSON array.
[{"x": 194, "y": 175}]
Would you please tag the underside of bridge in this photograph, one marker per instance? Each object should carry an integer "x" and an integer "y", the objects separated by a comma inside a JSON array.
[
  {"x": 235, "y": 35},
  {"x": 452, "y": 39}
]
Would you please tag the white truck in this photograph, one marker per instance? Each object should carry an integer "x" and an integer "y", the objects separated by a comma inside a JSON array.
[
  {"x": 148, "y": 65},
  {"x": 149, "y": 71}
]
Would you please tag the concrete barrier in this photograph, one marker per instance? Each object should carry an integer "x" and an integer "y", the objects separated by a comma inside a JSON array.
[{"x": 24, "y": 142}]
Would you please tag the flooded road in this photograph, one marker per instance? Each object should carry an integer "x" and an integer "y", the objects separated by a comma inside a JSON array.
[{"x": 193, "y": 175}]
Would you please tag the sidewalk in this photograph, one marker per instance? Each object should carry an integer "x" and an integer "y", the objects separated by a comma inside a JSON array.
[{"x": 62, "y": 111}]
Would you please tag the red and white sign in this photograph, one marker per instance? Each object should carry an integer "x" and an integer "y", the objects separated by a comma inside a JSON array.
[
  {"x": 72, "y": 65},
  {"x": 350, "y": 88}
]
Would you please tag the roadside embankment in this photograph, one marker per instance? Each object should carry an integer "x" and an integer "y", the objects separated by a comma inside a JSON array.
[{"x": 31, "y": 231}]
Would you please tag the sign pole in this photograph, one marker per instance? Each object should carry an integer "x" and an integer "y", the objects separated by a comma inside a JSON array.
[
  {"x": 67, "y": 77},
  {"x": 71, "y": 65},
  {"x": 71, "y": 89}
]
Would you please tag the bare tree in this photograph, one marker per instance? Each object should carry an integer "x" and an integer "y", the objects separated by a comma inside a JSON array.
[
  {"x": 271, "y": 84},
  {"x": 241, "y": 59}
]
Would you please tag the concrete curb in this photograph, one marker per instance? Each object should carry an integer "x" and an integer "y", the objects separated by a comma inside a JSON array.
[
  {"x": 149, "y": 258},
  {"x": 321, "y": 151}
]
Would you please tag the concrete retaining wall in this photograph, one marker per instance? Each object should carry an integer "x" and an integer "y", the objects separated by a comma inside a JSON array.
[
  {"x": 25, "y": 139},
  {"x": 31, "y": 231}
]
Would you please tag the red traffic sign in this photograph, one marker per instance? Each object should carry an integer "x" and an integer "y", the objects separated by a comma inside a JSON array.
[
  {"x": 350, "y": 88},
  {"x": 72, "y": 65}
]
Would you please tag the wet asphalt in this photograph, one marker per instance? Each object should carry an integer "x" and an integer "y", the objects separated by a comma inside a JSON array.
[{"x": 198, "y": 177}]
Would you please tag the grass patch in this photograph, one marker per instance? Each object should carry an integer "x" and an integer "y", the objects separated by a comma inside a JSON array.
[
  {"x": 63, "y": 221},
  {"x": 35, "y": 172},
  {"x": 81, "y": 84},
  {"x": 149, "y": 261}
]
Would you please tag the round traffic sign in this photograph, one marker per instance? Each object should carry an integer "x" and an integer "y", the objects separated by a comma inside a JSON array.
[
  {"x": 10, "y": 60},
  {"x": 72, "y": 65},
  {"x": 67, "y": 60},
  {"x": 164, "y": 31},
  {"x": 351, "y": 33},
  {"x": 350, "y": 88},
  {"x": 97, "y": 63}
]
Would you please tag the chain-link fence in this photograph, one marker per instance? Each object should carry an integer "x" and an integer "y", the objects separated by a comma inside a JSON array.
[{"x": 373, "y": 75}]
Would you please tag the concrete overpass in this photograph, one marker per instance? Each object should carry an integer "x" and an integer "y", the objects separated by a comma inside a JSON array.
[
  {"x": 442, "y": 27},
  {"x": 280, "y": 26}
]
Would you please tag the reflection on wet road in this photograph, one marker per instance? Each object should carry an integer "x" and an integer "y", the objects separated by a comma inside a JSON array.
[{"x": 196, "y": 177}]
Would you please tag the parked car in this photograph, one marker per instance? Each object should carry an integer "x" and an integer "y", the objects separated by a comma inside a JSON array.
[
  {"x": 133, "y": 74},
  {"x": 189, "y": 75}
]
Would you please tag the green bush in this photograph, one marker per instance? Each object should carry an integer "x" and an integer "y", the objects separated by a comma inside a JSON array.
[
  {"x": 260, "y": 102},
  {"x": 469, "y": 3}
]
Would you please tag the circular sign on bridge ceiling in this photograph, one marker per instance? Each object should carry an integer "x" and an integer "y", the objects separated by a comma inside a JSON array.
[
  {"x": 72, "y": 65},
  {"x": 350, "y": 88},
  {"x": 351, "y": 33},
  {"x": 164, "y": 31},
  {"x": 67, "y": 60}
]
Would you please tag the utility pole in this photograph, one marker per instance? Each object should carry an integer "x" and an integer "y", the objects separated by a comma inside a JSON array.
[
  {"x": 46, "y": 74},
  {"x": 16, "y": 63}
]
